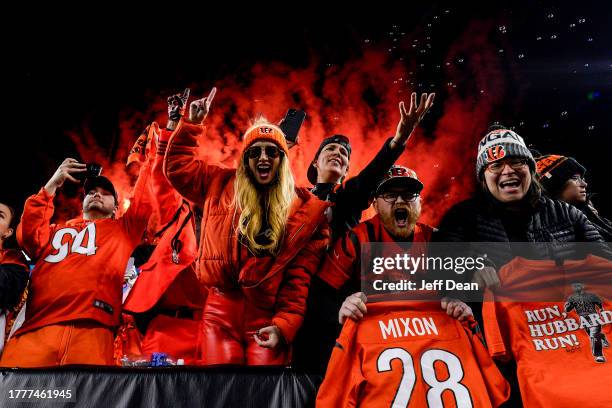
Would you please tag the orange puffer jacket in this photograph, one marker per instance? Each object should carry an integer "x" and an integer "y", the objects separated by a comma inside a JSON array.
[{"x": 277, "y": 283}]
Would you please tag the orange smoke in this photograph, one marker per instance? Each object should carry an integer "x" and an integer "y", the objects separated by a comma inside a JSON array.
[{"x": 358, "y": 99}]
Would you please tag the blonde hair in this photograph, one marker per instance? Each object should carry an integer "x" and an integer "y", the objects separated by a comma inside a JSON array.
[{"x": 272, "y": 203}]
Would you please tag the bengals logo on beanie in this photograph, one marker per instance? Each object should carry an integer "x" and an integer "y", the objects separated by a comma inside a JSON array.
[
  {"x": 495, "y": 153},
  {"x": 499, "y": 144}
]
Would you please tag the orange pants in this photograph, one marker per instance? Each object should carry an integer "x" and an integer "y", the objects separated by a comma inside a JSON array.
[
  {"x": 79, "y": 342},
  {"x": 229, "y": 322}
]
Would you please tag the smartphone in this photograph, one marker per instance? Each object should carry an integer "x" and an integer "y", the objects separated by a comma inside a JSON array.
[
  {"x": 93, "y": 170},
  {"x": 291, "y": 123}
]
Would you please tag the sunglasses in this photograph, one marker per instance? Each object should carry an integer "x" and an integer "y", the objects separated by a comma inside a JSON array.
[{"x": 271, "y": 151}]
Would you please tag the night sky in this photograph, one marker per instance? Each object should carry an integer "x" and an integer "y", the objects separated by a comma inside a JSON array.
[{"x": 555, "y": 61}]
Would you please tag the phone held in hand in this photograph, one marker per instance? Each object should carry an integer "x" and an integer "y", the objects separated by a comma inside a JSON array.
[
  {"x": 93, "y": 170},
  {"x": 292, "y": 123}
]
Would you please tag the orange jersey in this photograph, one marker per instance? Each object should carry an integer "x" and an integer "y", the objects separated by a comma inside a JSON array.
[
  {"x": 409, "y": 354},
  {"x": 79, "y": 265},
  {"x": 558, "y": 337}
]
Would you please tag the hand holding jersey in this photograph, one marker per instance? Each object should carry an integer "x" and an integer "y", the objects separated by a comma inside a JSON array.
[
  {"x": 354, "y": 307},
  {"x": 411, "y": 354},
  {"x": 486, "y": 277},
  {"x": 456, "y": 308}
]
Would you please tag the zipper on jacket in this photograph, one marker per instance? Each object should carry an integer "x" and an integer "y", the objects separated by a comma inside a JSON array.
[{"x": 296, "y": 232}]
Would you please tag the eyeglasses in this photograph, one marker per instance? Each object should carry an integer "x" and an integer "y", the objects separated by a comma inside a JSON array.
[
  {"x": 271, "y": 151},
  {"x": 498, "y": 166},
  {"x": 578, "y": 178},
  {"x": 406, "y": 196}
]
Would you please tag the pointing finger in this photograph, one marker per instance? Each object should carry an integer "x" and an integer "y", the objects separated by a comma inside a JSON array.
[
  {"x": 185, "y": 94},
  {"x": 211, "y": 96}
]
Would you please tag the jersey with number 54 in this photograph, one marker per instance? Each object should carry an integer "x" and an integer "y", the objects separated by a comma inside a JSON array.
[
  {"x": 79, "y": 265},
  {"x": 410, "y": 354}
]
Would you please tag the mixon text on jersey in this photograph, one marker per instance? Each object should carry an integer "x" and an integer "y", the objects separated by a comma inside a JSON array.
[{"x": 404, "y": 327}]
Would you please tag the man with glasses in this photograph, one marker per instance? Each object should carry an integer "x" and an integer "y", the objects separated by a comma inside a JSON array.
[{"x": 397, "y": 201}]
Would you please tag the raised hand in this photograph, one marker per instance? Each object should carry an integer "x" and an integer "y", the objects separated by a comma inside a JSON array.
[
  {"x": 199, "y": 108},
  {"x": 410, "y": 119},
  {"x": 64, "y": 172},
  {"x": 176, "y": 108}
]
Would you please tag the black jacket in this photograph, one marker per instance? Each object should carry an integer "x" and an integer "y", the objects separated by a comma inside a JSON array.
[
  {"x": 603, "y": 225},
  {"x": 483, "y": 219}
]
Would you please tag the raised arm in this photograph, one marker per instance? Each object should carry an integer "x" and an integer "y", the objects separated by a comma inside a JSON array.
[
  {"x": 358, "y": 190},
  {"x": 135, "y": 219},
  {"x": 187, "y": 173},
  {"x": 34, "y": 230}
]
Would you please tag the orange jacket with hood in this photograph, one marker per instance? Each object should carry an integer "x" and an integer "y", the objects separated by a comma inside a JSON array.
[{"x": 278, "y": 283}]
